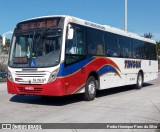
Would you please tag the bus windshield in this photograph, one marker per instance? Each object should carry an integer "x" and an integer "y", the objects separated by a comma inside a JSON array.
[{"x": 36, "y": 48}]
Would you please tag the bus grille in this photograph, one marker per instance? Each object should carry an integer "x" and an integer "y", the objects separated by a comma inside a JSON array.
[
  {"x": 34, "y": 91},
  {"x": 31, "y": 77},
  {"x": 30, "y": 74}
]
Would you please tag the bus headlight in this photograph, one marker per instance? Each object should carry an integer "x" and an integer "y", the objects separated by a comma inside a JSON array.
[
  {"x": 10, "y": 76},
  {"x": 53, "y": 76}
]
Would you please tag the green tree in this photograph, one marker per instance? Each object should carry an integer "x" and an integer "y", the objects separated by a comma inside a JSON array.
[
  {"x": 0, "y": 40},
  {"x": 1, "y": 43},
  {"x": 158, "y": 47},
  {"x": 3, "y": 56},
  {"x": 5, "y": 48},
  {"x": 158, "y": 50},
  {"x": 148, "y": 35}
]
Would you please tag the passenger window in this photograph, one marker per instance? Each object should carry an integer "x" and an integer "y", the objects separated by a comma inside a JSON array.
[
  {"x": 151, "y": 51},
  {"x": 112, "y": 47},
  {"x": 137, "y": 49},
  {"x": 95, "y": 41},
  {"x": 125, "y": 47}
]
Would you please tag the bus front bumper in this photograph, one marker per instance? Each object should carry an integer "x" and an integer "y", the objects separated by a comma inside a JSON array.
[{"x": 55, "y": 88}]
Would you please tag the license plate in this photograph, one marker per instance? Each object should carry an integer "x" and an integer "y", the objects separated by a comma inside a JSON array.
[{"x": 29, "y": 88}]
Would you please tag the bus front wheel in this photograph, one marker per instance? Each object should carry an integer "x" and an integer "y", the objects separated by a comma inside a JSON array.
[{"x": 90, "y": 89}]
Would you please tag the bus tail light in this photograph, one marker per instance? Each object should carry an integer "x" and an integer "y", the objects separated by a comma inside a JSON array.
[{"x": 10, "y": 76}]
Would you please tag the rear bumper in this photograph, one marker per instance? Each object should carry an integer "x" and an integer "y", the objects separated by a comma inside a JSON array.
[{"x": 55, "y": 88}]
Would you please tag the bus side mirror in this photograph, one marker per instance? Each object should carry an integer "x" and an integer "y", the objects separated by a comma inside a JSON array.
[{"x": 70, "y": 32}]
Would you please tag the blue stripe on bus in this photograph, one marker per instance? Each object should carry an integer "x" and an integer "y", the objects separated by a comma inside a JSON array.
[
  {"x": 73, "y": 68},
  {"x": 106, "y": 69}
]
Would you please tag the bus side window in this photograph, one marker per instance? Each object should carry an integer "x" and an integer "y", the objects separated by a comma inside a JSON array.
[
  {"x": 95, "y": 41},
  {"x": 76, "y": 45},
  {"x": 125, "y": 46},
  {"x": 112, "y": 47},
  {"x": 80, "y": 43}
]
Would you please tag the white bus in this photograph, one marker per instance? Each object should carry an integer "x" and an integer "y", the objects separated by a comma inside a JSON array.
[{"x": 63, "y": 55}]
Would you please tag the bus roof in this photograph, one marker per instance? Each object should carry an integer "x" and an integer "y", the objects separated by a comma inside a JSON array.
[{"x": 98, "y": 26}]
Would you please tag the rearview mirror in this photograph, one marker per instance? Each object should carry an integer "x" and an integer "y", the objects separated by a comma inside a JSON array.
[{"x": 70, "y": 32}]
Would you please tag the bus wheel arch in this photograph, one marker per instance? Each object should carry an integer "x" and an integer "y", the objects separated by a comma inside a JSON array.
[
  {"x": 91, "y": 86},
  {"x": 140, "y": 80},
  {"x": 96, "y": 76}
]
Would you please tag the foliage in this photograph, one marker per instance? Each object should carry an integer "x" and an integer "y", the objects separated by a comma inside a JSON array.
[
  {"x": 158, "y": 48},
  {"x": 0, "y": 41},
  {"x": 5, "y": 48},
  {"x": 3, "y": 54},
  {"x": 148, "y": 35}
]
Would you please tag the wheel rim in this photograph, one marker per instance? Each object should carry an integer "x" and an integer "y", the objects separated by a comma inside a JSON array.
[
  {"x": 91, "y": 88},
  {"x": 140, "y": 80}
]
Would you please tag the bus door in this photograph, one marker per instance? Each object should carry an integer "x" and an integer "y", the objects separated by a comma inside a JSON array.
[{"x": 75, "y": 55}]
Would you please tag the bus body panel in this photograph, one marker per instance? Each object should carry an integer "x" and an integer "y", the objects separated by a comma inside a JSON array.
[{"x": 128, "y": 76}]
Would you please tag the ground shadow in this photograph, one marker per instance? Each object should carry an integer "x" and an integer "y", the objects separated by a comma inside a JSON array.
[
  {"x": 65, "y": 100},
  {"x": 117, "y": 90},
  {"x": 40, "y": 100}
]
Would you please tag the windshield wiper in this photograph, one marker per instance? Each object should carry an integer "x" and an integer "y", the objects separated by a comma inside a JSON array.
[{"x": 43, "y": 33}]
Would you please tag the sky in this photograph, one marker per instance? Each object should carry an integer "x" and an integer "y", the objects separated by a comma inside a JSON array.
[{"x": 143, "y": 15}]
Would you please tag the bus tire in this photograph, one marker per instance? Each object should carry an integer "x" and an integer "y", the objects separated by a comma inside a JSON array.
[
  {"x": 90, "y": 89},
  {"x": 139, "y": 83}
]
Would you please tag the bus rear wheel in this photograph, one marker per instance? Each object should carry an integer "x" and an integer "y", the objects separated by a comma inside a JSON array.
[
  {"x": 139, "y": 83},
  {"x": 90, "y": 89}
]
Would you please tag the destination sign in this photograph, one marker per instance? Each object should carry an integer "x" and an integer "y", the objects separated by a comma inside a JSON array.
[
  {"x": 41, "y": 23},
  {"x": 20, "y": 60}
]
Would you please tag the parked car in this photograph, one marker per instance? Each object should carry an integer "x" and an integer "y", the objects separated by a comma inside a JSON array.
[{"x": 3, "y": 74}]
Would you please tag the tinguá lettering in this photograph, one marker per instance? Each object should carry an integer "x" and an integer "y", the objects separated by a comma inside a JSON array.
[{"x": 131, "y": 64}]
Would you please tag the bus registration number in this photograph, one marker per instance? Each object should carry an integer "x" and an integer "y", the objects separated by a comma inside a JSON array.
[{"x": 39, "y": 80}]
